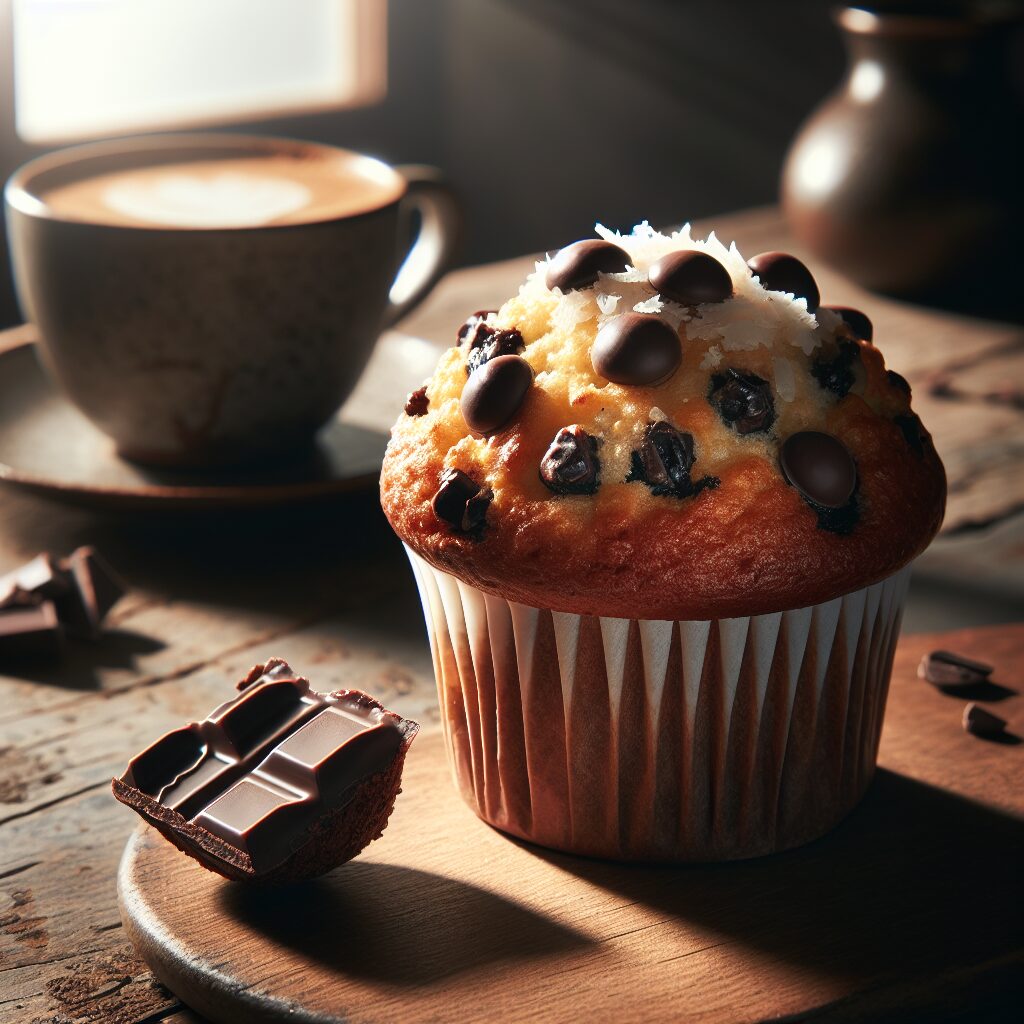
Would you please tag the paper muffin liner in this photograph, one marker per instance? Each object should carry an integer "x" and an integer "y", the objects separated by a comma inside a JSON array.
[{"x": 652, "y": 740}]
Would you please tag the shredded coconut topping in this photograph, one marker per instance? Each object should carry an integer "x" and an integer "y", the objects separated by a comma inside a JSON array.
[{"x": 753, "y": 317}]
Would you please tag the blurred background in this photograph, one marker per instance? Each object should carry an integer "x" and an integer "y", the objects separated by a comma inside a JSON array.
[{"x": 545, "y": 112}]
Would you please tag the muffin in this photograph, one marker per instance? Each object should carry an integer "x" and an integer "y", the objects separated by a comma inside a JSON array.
[{"x": 661, "y": 508}]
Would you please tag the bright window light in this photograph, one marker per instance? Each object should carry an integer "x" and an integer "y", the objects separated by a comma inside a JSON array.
[{"x": 88, "y": 68}]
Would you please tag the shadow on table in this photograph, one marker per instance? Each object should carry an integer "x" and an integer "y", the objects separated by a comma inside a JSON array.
[
  {"x": 397, "y": 925},
  {"x": 79, "y": 666},
  {"x": 917, "y": 880}
]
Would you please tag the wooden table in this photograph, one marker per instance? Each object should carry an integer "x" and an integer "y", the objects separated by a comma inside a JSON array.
[{"x": 327, "y": 587}]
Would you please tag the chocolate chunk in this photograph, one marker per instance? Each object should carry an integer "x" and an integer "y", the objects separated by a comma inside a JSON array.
[
  {"x": 461, "y": 502},
  {"x": 570, "y": 465},
  {"x": 417, "y": 403},
  {"x": 780, "y": 272},
  {"x": 980, "y": 722},
  {"x": 898, "y": 381},
  {"x": 473, "y": 324},
  {"x": 664, "y": 462},
  {"x": 744, "y": 401},
  {"x": 912, "y": 431},
  {"x": 944, "y": 668},
  {"x": 857, "y": 321},
  {"x": 82, "y": 587},
  {"x": 489, "y": 343},
  {"x": 691, "y": 278},
  {"x": 636, "y": 348},
  {"x": 837, "y": 374},
  {"x": 494, "y": 393},
  {"x": 29, "y": 633},
  {"x": 577, "y": 265},
  {"x": 820, "y": 467},
  {"x": 278, "y": 784}
]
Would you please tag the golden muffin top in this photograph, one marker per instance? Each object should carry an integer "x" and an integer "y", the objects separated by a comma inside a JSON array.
[{"x": 656, "y": 428}]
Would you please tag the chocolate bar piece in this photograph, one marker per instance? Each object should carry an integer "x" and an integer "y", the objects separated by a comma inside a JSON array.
[
  {"x": 980, "y": 722},
  {"x": 944, "y": 668},
  {"x": 277, "y": 784},
  {"x": 30, "y": 633},
  {"x": 82, "y": 587}
]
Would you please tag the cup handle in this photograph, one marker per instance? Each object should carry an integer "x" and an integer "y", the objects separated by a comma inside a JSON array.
[{"x": 434, "y": 247}]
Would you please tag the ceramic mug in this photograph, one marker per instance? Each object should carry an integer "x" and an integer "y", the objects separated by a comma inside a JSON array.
[{"x": 211, "y": 298}]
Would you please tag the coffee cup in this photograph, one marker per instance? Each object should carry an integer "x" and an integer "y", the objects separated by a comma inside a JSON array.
[{"x": 212, "y": 298}]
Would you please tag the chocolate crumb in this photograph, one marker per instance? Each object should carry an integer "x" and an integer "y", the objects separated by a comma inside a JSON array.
[
  {"x": 417, "y": 403},
  {"x": 837, "y": 374},
  {"x": 473, "y": 323},
  {"x": 570, "y": 465},
  {"x": 488, "y": 343},
  {"x": 980, "y": 722},
  {"x": 743, "y": 400},
  {"x": 461, "y": 502},
  {"x": 664, "y": 462}
]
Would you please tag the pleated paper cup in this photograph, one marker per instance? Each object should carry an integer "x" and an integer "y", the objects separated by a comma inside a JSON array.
[{"x": 652, "y": 740}]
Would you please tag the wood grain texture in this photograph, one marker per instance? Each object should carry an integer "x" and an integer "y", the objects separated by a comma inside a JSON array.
[{"x": 914, "y": 895}]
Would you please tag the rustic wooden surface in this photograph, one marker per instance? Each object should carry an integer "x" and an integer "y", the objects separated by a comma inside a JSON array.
[
  {"x": 446, "y": 919},
  {"x": 328, "y": 587}
]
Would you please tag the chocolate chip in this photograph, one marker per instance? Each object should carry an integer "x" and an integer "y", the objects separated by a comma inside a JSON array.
[
  {"x": 912, "y": 430},
  {"x": 691, "y": 278},
  {"x": 417, "y": 403},
  {"x": 980, "y": 722},
  {"x": 898, "y": 381},
  {"x": 744, "y": 401},
  {"x": 857, "y": 321},
  {"x": 944, "y": 668},
  {"x": 837, "y": 374},
  {"x": 664, "y": 462},
  {"x": 489, "y": 343},
  {"x": 636, "y": 348},
  {"x": 494, "y": 392},
  {"x": 461, "y": 502},
  {"x": 473, "y": 324},
  {"x": 780, "y": 272},
  {"x": 820, "y": 467},
  {"x": 570, "y": 465},
  {"x": 577, "y": 265}
]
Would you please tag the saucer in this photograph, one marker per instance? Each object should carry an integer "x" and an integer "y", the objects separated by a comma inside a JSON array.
[{"x": 49, "y": 448}]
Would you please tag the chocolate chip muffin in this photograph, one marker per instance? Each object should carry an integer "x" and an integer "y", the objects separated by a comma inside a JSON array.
[{"x": 678, "y": 469}]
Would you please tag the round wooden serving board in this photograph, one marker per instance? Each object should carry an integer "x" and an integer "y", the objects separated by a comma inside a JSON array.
[{"x": 909, "y": 907}]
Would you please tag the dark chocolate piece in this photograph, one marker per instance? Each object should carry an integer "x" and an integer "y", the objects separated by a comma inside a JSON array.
[
  {"x": 577, "y": 265},
  {"x": 29, "y": 633},
  {"x": 494, "y": 393},
  {"x": 857, "y": 321},
  {"x": 743, "y": 400},
  {"x": 473, "y": 324},
  {"x": 417, "y": 402},
  {"x": 636, "y": 348},
  {"x": 41, "y": 579},
  {"x": 82, "y": 587},
  {"x": 489, "y": 343},
  {"x": 897, "y": 380},
  {"x": 277, "y": 784},
  {"x": 665, "y": 460},
  {"x": 944, "y": 668},
  {"x": 690, "y": 278},
  {"x": 820, "y": 467},
  {"x": 980, "y": 722},
  {"x": 780, "y": 272},
  {"x": 837, "y": 374},
  {"x": 461, "y": 502},
  {"x": 570, "y": 465},
  {"x": 912, "y": 430}
]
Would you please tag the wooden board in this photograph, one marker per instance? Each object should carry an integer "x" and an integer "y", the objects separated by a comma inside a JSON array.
[{"x": 911, "y": 908}]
